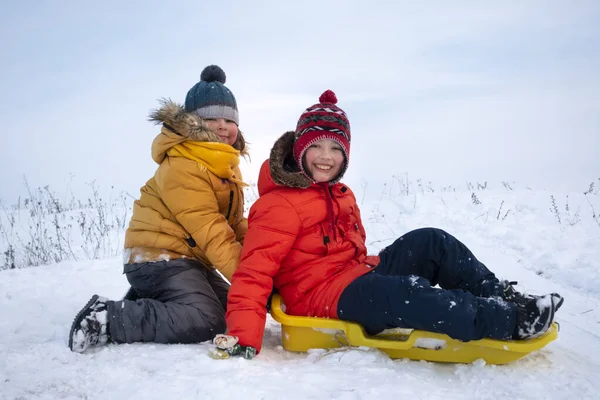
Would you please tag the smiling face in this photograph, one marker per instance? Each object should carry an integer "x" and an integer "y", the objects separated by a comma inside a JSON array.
[
  {"x": 324, "y": 160},
  {"x": 226, "y": 129}
]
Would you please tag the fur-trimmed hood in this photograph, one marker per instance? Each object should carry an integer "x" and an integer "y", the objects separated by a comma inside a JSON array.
[
  {"x": 179, "y": 126},
  {"x": 284, "y": 169}
]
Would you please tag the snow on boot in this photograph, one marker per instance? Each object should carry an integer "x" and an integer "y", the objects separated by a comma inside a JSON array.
[
  {"x": 90, "y": 328},
  {"x": 512, "y": 295},
  {"x": 535, "y": 315}
]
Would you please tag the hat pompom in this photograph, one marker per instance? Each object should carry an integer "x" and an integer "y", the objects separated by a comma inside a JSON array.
[
  {"x": 213, "y": 73},
  {"x": 328, "y": 97}
]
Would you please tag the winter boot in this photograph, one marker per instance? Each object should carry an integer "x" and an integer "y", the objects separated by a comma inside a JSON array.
[
  {"x": 90, "y": 328},
  {"x": 512, "y": 295},
  {"x": 535, "y": 315}
]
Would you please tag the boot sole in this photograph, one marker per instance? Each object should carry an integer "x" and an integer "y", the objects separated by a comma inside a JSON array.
[
  {"x": 560, "y": 302},
  {"x": 552, "y": 313},
  {"x": 79, "y": 317}
]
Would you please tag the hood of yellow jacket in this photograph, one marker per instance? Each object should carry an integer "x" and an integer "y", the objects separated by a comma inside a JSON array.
[{"x": 179, "y": 126}]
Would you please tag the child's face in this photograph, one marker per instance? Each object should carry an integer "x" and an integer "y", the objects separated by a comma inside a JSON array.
[
  {"x": 227, "y": 130},
  {"x": 324, "y": 160}
]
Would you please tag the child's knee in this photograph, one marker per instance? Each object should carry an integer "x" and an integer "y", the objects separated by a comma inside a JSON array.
[
  {"x": 218, "y": 326},
  {"x": 212, "y": 323}
]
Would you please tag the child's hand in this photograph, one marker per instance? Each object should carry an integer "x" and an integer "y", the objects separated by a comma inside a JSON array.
[{"x": 227, "y": 346}]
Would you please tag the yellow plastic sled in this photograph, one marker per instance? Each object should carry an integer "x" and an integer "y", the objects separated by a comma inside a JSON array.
[{"x": 302, "y": 333}]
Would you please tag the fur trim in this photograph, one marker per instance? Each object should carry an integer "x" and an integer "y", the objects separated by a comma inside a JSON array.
[
  {"x": 284, "y": 169},
  {"x": 189, "y": 125},
  {"x": 183, "y": 123}
]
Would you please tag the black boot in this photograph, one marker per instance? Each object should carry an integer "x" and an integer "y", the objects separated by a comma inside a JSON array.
[
  {"x": 90, "y": 328},
  {"x": 535, "y": 315}
]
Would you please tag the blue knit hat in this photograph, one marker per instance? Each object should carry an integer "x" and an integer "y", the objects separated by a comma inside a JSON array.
[{"x": 210, "y": 98}]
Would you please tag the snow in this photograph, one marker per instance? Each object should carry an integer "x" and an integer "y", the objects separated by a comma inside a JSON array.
[
  {"x": 528, "y": 245},
  {"x": 428, "y": 343}
]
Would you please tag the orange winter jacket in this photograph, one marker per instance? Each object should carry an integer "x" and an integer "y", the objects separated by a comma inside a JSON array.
[{"x": 290, "y": 245}]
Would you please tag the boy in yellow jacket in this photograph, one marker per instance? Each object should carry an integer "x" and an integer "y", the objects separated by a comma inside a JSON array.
[{"x": 187, "y": 223}]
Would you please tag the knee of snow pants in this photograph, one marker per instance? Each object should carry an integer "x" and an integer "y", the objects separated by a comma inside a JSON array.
[
  {"x": 440, "y": 258},
  {"x": 181, "y": 302}
]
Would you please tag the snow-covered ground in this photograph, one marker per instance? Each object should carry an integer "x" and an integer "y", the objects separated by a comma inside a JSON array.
[{"x": 523, "y": 240}]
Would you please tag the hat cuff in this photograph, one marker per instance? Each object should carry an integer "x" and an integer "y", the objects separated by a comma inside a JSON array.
[
  {"x": 218, "y": 111},
  {"x": 302, "y": 143}
]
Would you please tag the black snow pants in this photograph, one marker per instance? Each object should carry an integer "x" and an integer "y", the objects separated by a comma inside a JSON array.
[
  {"x": 400, "y": 291},
  {"x": 179, "y": 301}
]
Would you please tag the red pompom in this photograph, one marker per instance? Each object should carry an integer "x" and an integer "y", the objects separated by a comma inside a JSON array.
[{"x": 328, "y": 97}]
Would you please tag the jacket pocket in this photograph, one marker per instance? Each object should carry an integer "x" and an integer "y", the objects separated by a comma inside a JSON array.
[{"x": 171, "y": 228}]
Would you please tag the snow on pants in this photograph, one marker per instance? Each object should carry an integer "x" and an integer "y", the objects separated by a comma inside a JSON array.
[
  {"x": 400, "y": 291},
  {"x": 180, "y": 301}
]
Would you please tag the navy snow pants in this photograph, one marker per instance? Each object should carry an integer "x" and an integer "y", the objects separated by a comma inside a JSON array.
[{"x": 400, "y": 291}]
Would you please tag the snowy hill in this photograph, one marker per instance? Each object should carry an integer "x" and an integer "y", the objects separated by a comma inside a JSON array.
[{"x": 546, "y": 241}]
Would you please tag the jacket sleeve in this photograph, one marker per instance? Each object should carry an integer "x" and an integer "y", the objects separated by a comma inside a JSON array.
[
  {"x": 241, "y": 227},
  {"x": 273, "y": 228},
  {"x": 187, "y": 192},
  {"x": 240, "y": 230}
]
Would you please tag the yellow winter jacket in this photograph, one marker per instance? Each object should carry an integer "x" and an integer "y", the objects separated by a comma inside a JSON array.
[{"x": 193, "y": 207}]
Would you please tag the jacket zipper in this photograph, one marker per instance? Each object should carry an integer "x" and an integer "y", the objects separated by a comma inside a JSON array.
[{"x": 230, "y": 204}]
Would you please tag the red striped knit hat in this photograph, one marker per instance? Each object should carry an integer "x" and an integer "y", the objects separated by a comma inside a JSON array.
[{"x": 323, "y": 120}]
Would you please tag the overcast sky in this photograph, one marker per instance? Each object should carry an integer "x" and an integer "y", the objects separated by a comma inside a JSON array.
[{"x": 447, "y": 91}]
